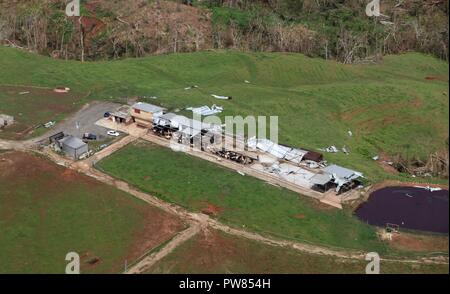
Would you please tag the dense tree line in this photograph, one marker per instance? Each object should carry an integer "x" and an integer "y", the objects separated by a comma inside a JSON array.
[{"x": 334, "y": 29}]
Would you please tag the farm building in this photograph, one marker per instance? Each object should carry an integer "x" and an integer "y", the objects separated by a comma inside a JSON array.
[
  {"x": 122, "y": 115},
  {"x": 143, "y": 113},
  {"x": 292, "y": 155},
  {"x": 6, "y": 120},
  {"x": 336, "y": 176},
  {"x": 73, "y": 147},
  {"x": 180, "y": 123}
]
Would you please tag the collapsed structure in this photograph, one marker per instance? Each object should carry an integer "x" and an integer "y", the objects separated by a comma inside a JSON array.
[{"x": 299, "y": 167}]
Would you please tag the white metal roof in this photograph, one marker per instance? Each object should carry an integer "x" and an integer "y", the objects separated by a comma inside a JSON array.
[
  {"x": 147, "y": 107},
  {"x": 279, "y": 151},
  {"x": 342, "y": 172},
  {"x": 320, "y": 179},
  {"x": 181, "y": 122}
]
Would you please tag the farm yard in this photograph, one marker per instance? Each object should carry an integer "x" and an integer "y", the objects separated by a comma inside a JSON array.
[
  {"x": 216, "y": 252},
  {"x": 48, "y": 211}
]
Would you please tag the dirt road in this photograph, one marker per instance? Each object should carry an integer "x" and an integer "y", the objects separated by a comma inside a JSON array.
[{"x": 151, "y": 259}]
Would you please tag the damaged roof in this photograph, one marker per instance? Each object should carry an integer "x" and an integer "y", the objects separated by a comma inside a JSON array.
[
  {"x": 147, "y": 107},
  {"x": 342, "y": 172}
]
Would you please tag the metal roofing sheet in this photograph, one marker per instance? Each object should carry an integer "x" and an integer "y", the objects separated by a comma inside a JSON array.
[{"x": 147, "y": 107}]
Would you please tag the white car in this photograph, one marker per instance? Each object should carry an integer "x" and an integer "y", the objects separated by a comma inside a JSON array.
[{"x": 113, "y": 133}]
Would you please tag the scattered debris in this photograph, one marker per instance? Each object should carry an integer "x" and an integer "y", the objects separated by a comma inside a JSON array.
[
  {"x": 247, "y": 82},
  {"x": 345, "y": 150},
  {"x": 191, "y": 87},
  {"x": 241, "y": 173},
  {"x": 61, "y": 90},
  {"x": 6, "y": 120},
  {"x": 23, "y": 93},
  {"x": 350, "y": 133},
  {"x": 234, "y": 156},
  {"x": 310, "y": 164},
  {"x": 431, "y": 189},
  {"x": 376, "y": 157},
  {"x": 206, "y": 110},
  {"x": 147, "y": 97},
  {"x": 279, "y": 151},
  {"x": 384, "y": 22},
  {"x": 222, "y": 97},
  {"x": 330, "y": 149}
]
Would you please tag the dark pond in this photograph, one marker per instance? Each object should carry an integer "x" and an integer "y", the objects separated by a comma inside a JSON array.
[{"x": 409, "y": 207}]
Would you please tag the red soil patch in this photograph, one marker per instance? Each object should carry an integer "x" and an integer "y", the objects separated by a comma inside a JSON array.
[
  {"x": 211, "y": 209},
  {"x": 434, "y": 78},
  {"x": 69, "y": 175},
  {"x": 420, "y": 243}
]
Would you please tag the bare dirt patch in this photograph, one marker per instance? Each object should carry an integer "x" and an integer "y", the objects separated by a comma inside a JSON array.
[
  {"x": 211, "y": 209},
  {"x": 420, "y": 243},
  {"x": 435, "y": 78}
]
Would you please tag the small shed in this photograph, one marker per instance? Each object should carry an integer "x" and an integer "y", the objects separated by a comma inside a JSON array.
[{"x": 73, "y": 147}]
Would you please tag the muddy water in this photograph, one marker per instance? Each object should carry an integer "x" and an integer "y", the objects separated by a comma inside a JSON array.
[{"x": 408, "y": 207}]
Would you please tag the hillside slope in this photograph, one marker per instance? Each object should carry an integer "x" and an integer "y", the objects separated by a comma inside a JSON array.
[
  {"x": 338, "y": 29},
  {"x": 399, "y": 107}
]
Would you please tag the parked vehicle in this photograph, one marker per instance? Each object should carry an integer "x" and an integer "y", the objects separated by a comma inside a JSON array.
[
  {"x": 49, "y": 124},
  {"x": 113, "y": 133},
  {"x": 89, "y": 136}
]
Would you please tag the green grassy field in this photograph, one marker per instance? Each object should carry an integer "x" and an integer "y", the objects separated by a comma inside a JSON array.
[
  {"x": 217, "y": 252},
  {"x": 390, "y": 107},
  {"x": 33, "y": 107},
  {"x": 241, "y": 201},
  {"x": 47, "y": 211}
]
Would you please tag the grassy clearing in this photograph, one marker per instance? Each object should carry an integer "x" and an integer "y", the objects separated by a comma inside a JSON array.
[
  {"x": 47, "y": 211},
  {"x": 241, "y": 201},
  {"x": 217, "y": 252},
  {"x": 32, "y": 107},
  {"x": 391, "y": 107}
]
